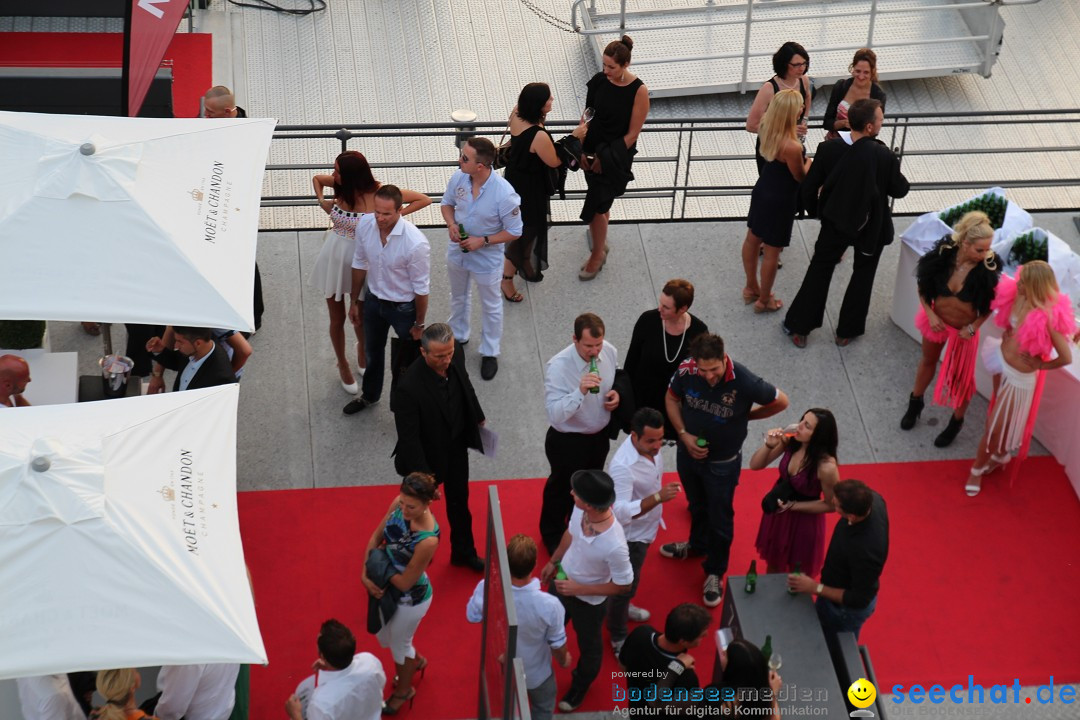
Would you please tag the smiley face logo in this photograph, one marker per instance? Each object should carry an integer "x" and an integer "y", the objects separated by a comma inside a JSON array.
[{"x": 862, "y": 693}]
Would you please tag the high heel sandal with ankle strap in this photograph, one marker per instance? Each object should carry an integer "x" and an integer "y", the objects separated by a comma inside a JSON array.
[
  {"x": 408, "y": 697},
  {"x": 972, "y": 489}
]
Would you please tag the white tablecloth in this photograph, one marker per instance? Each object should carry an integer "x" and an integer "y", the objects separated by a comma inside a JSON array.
[
  {"x": 1059, "y": 412},
  {"x": 54, "y": 377}
]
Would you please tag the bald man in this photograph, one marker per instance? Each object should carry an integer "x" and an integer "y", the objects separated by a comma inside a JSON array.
[
  {"x": 14, "y": 377},
  {"x": 219, "y": 102}
]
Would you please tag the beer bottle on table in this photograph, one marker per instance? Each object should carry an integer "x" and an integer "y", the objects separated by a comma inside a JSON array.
[
  {"x": 796, "y": 571},
  {"x": 751, "y": 578},
  {"x": 595, "y": 390},
  {"x": 464, "y": 236},
  {"x": 766, "y": 649}
]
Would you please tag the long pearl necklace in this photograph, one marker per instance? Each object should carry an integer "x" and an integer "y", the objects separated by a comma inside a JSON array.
[{"x": 664, "y": 334}]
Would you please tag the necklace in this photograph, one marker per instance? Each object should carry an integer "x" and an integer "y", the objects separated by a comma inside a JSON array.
[
  {"x": 792, "y": 86},
  {"x": 589, "y": 526},
  {"x": 664, "y": 335}
]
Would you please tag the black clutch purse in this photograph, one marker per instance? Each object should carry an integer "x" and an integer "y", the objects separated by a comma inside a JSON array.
[{"x": 782, "y": 491}]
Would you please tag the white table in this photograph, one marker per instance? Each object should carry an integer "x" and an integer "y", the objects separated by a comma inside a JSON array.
[
  {"x": 1059, "y": 411},
  {"x": 54, "y": 377}
]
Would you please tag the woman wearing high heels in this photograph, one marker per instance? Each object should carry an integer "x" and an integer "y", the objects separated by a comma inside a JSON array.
[
  {"x": 354, "y": 196},
  {"x": 774, "y": 201},
  {"x": 1038, "y": 321},
  {"x": 409, "y": 536},
  {"x": 956, "y": 278},
  {"x": 793, "y": 533},
  {"x": 620, "y": 101}
]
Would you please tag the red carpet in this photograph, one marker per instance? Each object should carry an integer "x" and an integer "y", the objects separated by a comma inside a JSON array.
[
  {"x": 983, "y": 586},
  {"x": 189, "y": 54}
]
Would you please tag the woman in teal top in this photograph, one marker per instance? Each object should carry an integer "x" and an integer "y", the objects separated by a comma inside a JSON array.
[{"x": 409, "y": 535}]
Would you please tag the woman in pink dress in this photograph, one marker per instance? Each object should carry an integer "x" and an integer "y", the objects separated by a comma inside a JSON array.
[
  {"x": 1038, "y": 322},
  {"x": 794, "y": 532}
]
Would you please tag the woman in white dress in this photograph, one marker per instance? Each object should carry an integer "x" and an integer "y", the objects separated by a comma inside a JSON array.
[{"x": 354, "y": 196}]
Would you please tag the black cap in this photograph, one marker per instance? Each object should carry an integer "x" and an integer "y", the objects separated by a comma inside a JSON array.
[{"x": 594, "y": 487}]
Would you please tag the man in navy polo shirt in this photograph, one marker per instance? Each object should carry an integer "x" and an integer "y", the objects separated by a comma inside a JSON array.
[{"x": 712, "y": 398}]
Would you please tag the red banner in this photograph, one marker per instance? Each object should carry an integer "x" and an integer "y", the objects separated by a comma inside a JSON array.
[{"x": 153, "y": 24}]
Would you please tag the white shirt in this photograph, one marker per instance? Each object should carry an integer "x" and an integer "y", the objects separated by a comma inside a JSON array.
[
  {"x": 197, "y": 692},
  {"x": 541, "y": 627},
  {"x": 193, "y": 366},
  {"x": 48, "y": 697},
  {"x": 354, "y": 693},
  {"x": 496, "y": 207},
  {"x": 636, "y": 478},
  {"x": 597, "y": 559},
  {"x": 567, "y": 409},
  {"x": 398, "y": 271}
]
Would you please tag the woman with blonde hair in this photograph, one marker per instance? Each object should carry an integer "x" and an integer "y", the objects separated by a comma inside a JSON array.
[
  {"x": 773, "y": 201},
  {"x": 118, "y": 688},
  {"x": 956, "y": 280},
  {"x": 1038, "y": 322}
]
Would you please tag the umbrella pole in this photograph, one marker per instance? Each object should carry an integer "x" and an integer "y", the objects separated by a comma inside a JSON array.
[{"x": 106, "y": 337}]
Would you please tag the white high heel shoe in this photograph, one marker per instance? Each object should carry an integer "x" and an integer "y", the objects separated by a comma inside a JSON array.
[{"x": 356, "y": 349}]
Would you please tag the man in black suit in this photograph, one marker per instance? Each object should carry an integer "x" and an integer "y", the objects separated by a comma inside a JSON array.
[
  {"x": 199, "y": 361},
  {"x": 855, "y": 182},
  {"x": 438, "y": 419}
]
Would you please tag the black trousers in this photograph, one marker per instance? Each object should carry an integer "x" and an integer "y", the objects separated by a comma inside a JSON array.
[
  {"x": 455, "y": 488},
  {"x": 257, "y": 300},
  {"x": 566, "y": 453},
  {"x": 807, "y": 310},
  {"x": 588, "y": 623}
]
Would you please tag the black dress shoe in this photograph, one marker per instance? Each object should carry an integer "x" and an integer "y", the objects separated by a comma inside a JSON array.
[
  {"x": 357, "y": 405},
  {"x": 473, "y": 562},
  {"x": 488, "y": 367},
  {"x": 945, "y": 438}
]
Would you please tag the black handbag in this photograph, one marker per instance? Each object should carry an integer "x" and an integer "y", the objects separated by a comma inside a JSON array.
[{"x": 782, "y": 491}]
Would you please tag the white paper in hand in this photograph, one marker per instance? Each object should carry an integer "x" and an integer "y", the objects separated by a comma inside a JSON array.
[{"x": 489, "y": 440}]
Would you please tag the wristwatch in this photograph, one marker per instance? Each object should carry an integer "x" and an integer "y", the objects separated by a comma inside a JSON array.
[
  {"x": 486, "y": 241},
  {"x": 656, "y": 497},
  {"x": 419, "y": 325},
  {"x": 820, "y": 587}
]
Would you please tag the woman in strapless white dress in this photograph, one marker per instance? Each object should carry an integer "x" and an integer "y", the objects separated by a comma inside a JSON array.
[{"x": 354, "y": 196}]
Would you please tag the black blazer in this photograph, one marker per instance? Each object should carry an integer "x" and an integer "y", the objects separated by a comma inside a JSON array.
[
  {"x": 425, "y": 437},
  {"x": 839, "y": 91},
  {"x": 216, "y": 370}
]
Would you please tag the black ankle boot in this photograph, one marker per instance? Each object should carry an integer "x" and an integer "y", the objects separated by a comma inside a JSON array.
[
  {"x": 914, "y": 409},
  {"x": 950, "y": 432}
]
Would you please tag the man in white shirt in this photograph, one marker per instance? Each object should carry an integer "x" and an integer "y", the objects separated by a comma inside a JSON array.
[
  {"x": 196, "y": 692},
  {"x": 541, "y": 625},
  {"x": 637, "y": 469},
  {"x": 485, "y": 204},
  {"x": 596, "y": 564},
  {"x": 394, "y": 257},
  {"x": 579, "y": 403},
  {"x": 48, "y": 697},
  {"x": 14, "y": 377},
  {"x": 345, "y": 686}
]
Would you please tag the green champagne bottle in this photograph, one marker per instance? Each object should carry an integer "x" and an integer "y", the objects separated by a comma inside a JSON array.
[
  {"x": 766, "y": 649},
  {"x": 560, "y": 574},
  {"x": 464, "y": 236},
  {"x": 702, "y": 442},
  {"x": 751, "y": 578},
  {"x": 796, "y": 571},
  {"x": 595, "y": 371}
]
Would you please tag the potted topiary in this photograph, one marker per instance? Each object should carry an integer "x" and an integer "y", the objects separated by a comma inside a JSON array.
[{"x": 22, "y": 334}]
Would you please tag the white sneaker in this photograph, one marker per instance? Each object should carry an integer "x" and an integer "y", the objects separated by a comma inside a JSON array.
[
  {"x": 639, "y": 614},
  {"x": 711, "y": 591}
]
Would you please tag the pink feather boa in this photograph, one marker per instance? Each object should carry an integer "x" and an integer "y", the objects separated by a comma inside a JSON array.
[{"x": 1033, "y": 335}]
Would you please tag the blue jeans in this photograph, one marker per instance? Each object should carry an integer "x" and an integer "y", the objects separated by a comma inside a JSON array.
[
  {"x": 379, "y": 317},
  {"x": 839, "y": 618},
  {"x": 542, "y": 699},
  {"x": 710, "y": 491}
]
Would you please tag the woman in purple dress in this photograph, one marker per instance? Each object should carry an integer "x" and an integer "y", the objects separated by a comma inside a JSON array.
[{"x": 794, "y": 533}]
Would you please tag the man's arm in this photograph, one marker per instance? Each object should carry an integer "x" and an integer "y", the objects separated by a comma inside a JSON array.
[
  {"x": 779, "y": 404},
  {"x": 561, "y": 401},
  {"x": 178, "y": 684},
  {"x": 898, "y": 184},
  {"x": 474, "y": 610},
  {"x": 410, "y": 448},
  {"x": 241, "y": 350}
]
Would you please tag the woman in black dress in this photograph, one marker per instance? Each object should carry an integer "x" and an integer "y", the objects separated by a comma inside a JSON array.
[
  {"x": 773, "y": 202},
  {"x": 620, "y": 102},
  {"x": 532, "y": 152},
  {"x": 661, "y": 341},
  {"x": 791, "y": 63}
]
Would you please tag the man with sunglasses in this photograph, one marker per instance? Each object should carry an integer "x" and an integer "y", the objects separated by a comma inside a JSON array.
[{"x": 486, "y": 205}]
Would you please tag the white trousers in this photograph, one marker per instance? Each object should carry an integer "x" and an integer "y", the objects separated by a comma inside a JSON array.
[
  {"x": 398, "y": 633},
  {"x": 491, "y": 305}
]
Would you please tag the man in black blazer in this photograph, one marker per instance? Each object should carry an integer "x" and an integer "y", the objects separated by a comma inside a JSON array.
[
  {"x": 855, "y": 182},
  {"x": 438, "y": 419},
  {"x": 199, "y": 362}
]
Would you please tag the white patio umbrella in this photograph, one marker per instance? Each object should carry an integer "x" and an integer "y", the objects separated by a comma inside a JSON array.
[
  {"x": 119, "y": 539},
  {"x": 143, "y": 220}
]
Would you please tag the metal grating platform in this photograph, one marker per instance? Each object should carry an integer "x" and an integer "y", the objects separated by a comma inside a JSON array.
[{"x": 673, "y": 72}]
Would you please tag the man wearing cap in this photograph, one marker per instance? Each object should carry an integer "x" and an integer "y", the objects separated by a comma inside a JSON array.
[
  {"x": 596, "y": 562},
  {"x": 637, "y": 469}
]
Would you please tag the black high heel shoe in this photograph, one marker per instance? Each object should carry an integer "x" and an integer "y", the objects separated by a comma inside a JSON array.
[
  {"x": 945, "y": 438},
  {"x": 914, "y": 410},
  {"x": 388, "y": 709}
]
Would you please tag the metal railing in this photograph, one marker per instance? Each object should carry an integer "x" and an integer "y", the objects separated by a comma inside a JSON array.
[{"x": 682, "y": 159}]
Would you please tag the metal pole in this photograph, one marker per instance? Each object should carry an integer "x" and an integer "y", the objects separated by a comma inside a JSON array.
[
  {"x": 746, "y": 45},
  {"x": 675, "y": 176},
  {"x": 622, "y": 16},
  {"x": 689, "y": 157},
  {"x": 873, "y": 17},
  {"x": 125, "y": 68}
]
